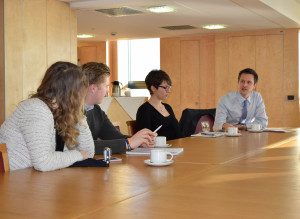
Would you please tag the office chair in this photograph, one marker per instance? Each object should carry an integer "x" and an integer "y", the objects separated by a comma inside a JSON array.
[
  {"x": 190, "y": 118},
  {"x": 132, "y": 127},
  {"x": 205, "y": 124},
  {"x": 4, "y": 164}
]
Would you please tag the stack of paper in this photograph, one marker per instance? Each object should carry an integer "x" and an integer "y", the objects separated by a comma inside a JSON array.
[
  {"x": 278, "y": 130},
  {"x": 146, "y": 151},
  {"x": 209, "y": 134}
]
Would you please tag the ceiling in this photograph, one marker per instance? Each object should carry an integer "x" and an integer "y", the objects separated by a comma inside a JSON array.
[{"x": 239, "y": 15}]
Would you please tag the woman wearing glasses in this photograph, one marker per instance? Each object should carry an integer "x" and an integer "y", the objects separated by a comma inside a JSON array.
[{"x": 154, "y": 113}]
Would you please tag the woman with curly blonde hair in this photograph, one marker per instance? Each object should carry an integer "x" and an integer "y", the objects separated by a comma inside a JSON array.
[{"x": 48, "y": 131}]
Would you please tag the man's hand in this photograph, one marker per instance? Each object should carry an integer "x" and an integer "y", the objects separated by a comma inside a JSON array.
[
  {"x": 144, "y": 137},
  {"x": 226, "y": 125}
]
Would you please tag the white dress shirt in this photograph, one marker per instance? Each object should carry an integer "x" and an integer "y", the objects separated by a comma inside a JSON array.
[{"x": 229, "y": 110}]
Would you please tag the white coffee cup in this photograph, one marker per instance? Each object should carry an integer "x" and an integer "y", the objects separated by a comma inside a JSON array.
[
  {"x": 160, "y": 140},
  {"x": 232, "y": 130},
  {"x": 256, "y": 126},
  {"x": 160, "y": 156}
]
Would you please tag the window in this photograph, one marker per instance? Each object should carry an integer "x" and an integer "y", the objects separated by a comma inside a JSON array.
[{"x": 136, "y": 58}]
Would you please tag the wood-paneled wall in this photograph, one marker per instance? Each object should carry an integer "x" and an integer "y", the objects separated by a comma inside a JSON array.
[
  {"x": 204, "y": 68},
  {"x": 37, "y": 34},
  {"x": 2, "y": 76}
]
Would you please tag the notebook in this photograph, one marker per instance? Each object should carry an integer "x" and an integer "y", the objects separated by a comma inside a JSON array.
[{"x": 146, "y": 151}]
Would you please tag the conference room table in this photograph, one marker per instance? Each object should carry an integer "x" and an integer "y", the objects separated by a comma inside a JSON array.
[{"x": 256, "y": 175}]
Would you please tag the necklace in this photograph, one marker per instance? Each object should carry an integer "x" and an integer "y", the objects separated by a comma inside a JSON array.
[{"x": 162, "y": 108}]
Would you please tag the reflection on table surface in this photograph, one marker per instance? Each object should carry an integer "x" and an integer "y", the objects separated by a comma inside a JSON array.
[{"x": 255, "y": 175}]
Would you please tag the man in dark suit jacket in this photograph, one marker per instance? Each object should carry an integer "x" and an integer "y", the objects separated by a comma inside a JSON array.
[{"x": 103, "y": 131}]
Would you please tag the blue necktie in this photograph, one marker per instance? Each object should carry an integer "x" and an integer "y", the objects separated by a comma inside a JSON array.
[{"x": 244, "y": 113}]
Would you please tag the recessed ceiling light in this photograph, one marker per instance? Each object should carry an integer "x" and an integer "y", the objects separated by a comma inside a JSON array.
[
  {"x": 214, "y": 26},
  {"x": 161, "y": 9},
  {"x": 85, "y": 36}
]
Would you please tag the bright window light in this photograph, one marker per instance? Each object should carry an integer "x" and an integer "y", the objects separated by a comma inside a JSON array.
[{"x": 136, "y": 58}]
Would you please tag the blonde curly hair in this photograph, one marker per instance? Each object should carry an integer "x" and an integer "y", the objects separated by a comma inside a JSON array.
[{"x": 63, "y": 89}]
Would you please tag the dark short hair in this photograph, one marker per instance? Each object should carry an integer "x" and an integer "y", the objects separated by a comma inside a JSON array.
[
  {"x": 249, "y": 71},
  {"x": 155, "y": 78}
]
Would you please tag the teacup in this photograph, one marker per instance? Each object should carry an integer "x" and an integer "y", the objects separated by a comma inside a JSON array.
[
  {"x": 160, "y": 141},
  {"x": 256, "y": 127},
  {"x": 232, "y": 130},
  {"x": 160, "y": 156}
]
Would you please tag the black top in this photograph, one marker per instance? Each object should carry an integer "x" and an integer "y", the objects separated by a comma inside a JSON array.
[
  {"x": 101, "y": 127},
  {"x": 148, "y": 117}
]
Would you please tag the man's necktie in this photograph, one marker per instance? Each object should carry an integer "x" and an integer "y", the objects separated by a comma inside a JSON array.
[{"x": 244, "y": 113}]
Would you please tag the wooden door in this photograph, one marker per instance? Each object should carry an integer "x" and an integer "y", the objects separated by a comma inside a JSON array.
[{"x": 88, "y": 54}]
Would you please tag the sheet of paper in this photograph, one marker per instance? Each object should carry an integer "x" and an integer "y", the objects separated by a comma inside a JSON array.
[
  {"x": 146, "y": 151},
  {"x": 278, "y": 130},
  {"x": 209, "y": 134}
]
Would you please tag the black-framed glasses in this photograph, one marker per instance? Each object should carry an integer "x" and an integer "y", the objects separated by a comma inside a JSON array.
[{"x": 167, "y": 88}]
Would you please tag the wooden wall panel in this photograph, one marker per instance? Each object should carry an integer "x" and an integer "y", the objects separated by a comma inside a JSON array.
[
  {"x": 261, "y": 50},
  {"x": 190, "y": 74},
  {"x": 13, "y": 54},
  {"x": 34, "y": 45},
  {"x": 207, "y": 73},
  {"x": 58, "y": 32},
  {"x": 291, "y": 77},
  {"x": 241, "y": 56},
  {"x": 221, "y": 67},
  {"x": 2, "y": 75},
  {"x": 170, "y": 63},
  {"x": 37, "y": 34},
  {"x": 73, "y": 36},
  {"x": 269, "y": 67}
]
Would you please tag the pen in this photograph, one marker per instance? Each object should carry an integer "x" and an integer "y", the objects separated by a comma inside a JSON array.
[{"x": 157, "y": 128}]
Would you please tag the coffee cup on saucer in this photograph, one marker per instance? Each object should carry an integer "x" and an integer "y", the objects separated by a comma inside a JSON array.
[
  {"x": 160, "y": 156},
  {"x": 160, "y": 140},
  {"x": 232, "y": 130},
  {"x": 256, "y": 127}
]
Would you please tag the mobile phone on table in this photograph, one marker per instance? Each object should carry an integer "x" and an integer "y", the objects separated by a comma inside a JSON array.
[{"x": 115, "y": 159}]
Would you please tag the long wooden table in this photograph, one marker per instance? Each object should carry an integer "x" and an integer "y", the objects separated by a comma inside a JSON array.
[{"x": 253, "y": 176}]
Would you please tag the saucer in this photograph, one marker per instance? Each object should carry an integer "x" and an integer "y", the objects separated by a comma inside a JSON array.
[
  {"x": 158, "y": 164},
  {"x": 163, "y": 146},
  {"x": 236, "y": 135},
  {"x": 255, "y": 131}
]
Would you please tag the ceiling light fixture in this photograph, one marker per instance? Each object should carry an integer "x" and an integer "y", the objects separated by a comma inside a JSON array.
[
  {"x": 161, "y": 9},
  {"x": 85, "y": 36},
  {"x": 214, "y": 26}
]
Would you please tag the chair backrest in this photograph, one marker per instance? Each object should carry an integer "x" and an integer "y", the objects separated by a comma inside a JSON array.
[
  {"x": 190, "y": 117},
  {"x": 205, "y": 124},
  {"x": 117, "y": 125},
  {"x": 4, "y": 165},
  {"x": 132, "y": 127}
]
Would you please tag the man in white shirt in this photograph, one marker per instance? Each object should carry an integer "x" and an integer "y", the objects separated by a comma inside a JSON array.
[{"x": 243, "y": 107}]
